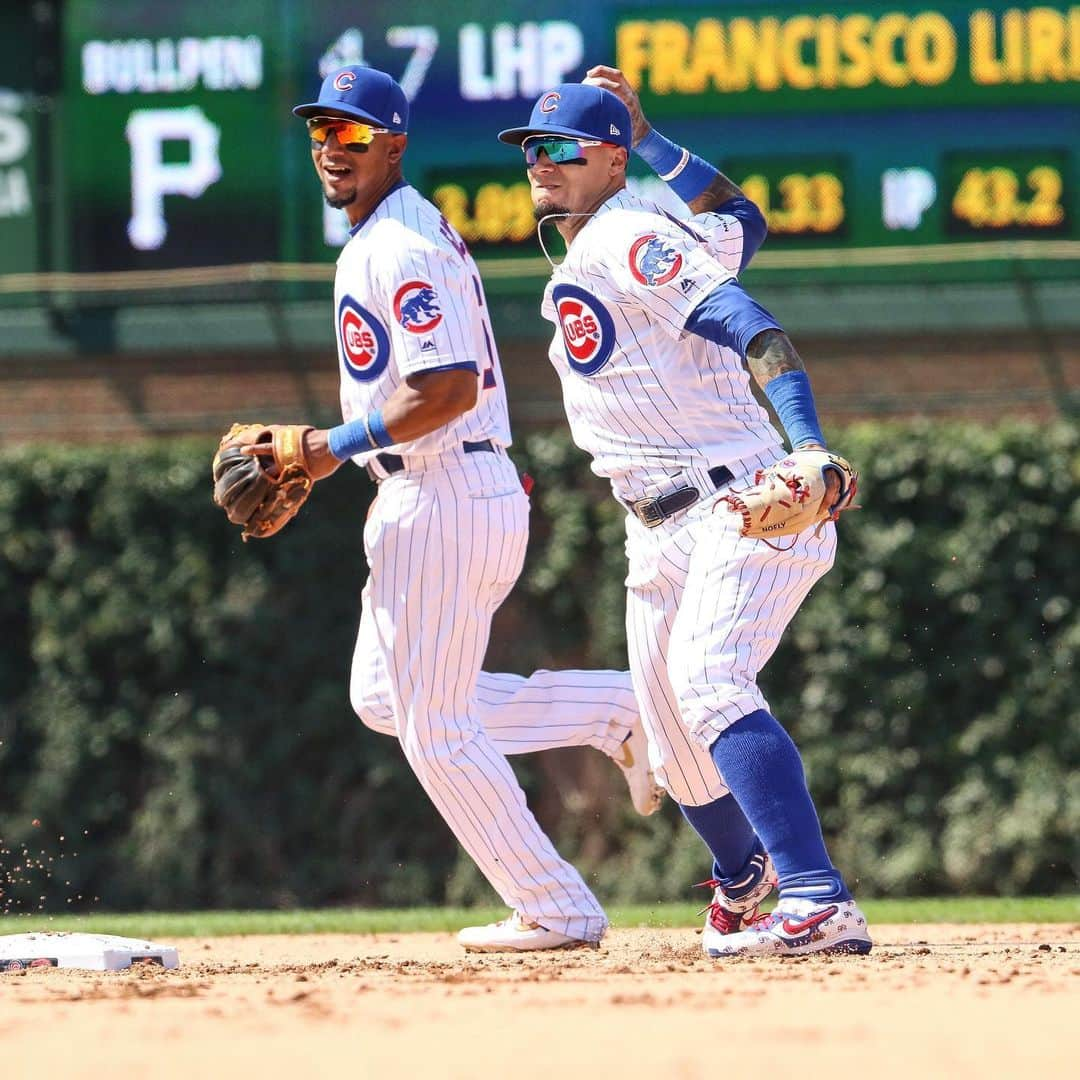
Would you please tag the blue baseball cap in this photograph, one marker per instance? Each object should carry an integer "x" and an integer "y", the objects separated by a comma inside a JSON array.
[
  {"x": 361, "y": 93},
  {"x": 578, "y": 111}
]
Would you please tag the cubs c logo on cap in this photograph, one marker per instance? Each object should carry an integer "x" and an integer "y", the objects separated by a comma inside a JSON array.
[
  {"x": 416, "y": 307},
  {"x": 365, "y": 345},
  {"x": 550, "y": 102},
  {"x": 652, "y": 261},
  {"x": 587, "y": 329},
  {"x": 344, "y": 80}
]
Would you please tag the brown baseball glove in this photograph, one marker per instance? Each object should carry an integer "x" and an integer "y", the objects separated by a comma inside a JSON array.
[
  {"x": 261, "y": 476},
  {"x": 789, "y": 495}
]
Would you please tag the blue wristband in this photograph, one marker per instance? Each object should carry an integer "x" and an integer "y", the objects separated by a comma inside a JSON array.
[
  {"x": 377, "y": 426},
  {"x": 793, "y": 401},
  {"x": 685, "y": 173},
  {"x": 359, "y": 436}
]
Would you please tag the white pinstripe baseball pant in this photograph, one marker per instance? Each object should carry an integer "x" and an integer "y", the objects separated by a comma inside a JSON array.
[
  {"x": 705, "y": 610},
  {"x": 445, "y": 546},
  {"x": 521, "y": 715}
]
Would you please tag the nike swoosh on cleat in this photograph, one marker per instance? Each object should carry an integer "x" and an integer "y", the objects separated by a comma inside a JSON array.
[{"x": 797, "y": 928}]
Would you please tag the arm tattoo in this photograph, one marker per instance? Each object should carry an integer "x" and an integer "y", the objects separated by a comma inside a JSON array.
[
  {"x": 771, "y": 353},
  {"x": 719, "y": 191}
]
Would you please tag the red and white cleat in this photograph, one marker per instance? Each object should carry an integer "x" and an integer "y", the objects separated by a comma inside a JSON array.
[
  {"x": 734, "y": 908},
  {"x": 798, "y": 928}
]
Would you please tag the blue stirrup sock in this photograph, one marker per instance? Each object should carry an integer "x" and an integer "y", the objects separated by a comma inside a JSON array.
[
  {"x": 727, "y": 834},
  {"x": 763, "y": 770}
]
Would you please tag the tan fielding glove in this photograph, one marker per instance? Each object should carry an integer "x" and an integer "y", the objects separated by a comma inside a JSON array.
[
  {"x": 261, "y": 476},
  {"x": 789, "y": 495}
]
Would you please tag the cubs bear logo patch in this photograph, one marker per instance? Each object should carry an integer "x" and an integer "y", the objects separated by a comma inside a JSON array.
[
  {"x": 365, "y": 345},
  {"x": 653, "y": 262},
  {"x": 416, "y": 307},
  {"x": 587, "y": 328}
]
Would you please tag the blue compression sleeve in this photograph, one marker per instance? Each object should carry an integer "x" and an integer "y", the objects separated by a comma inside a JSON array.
[
  {"x": 730, "y": 316},
  {"x": 358, "y": 436},
  {"x": 763, "y": 769},
  {"x": 685, "y": 173},
  {"x": 753, "y": 224},
  {"x": 793, "y": 401}
]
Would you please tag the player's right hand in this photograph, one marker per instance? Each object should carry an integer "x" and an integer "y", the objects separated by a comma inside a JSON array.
[
  {"x": 611, "y": 78},
  {"x": 321, "y": 460},
  {"x": 833, "y": 482}
]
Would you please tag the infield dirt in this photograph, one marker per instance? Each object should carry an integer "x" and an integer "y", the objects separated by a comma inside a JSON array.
[{"x": 956, "y": 1001}]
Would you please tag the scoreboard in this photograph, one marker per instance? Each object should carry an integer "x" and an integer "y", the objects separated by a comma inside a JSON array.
[{"x": 166, "y": 138}]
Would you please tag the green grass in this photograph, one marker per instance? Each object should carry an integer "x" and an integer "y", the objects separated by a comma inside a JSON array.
[{"x": 1059, "y": 909}]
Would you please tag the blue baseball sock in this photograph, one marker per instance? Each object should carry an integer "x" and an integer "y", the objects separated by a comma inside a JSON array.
[
  {"x": 727, "y": 834},
  {"x": 761, "y": 765}
]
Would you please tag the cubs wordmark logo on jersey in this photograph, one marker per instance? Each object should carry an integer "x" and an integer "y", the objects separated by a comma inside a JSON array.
[
  {"x": 365, "y": 345},
  {"x": 587, "y": 328},
  {"x": 652, "y": 261},
  {"x": 416, "y": 307}
]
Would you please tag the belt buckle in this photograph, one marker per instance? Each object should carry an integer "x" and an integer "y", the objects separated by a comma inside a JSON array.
[{"x": 648, "y": 512}]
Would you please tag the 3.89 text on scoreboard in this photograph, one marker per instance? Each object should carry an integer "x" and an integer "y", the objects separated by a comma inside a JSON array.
[{"x": 493, "y": 212}]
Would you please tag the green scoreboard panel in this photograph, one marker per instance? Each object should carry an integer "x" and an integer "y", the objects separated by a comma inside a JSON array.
[{"x": 853, "y": 125}]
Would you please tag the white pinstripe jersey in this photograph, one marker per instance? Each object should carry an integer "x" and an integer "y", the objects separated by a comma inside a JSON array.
[
  {"x": 646, "y": 398},
  {"x": 407, "y": 298}
]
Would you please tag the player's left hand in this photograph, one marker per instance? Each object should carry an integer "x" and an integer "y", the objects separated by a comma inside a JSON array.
[
  {"x": 263, "y": 474},
  {"x": 833, "y": 483},
  {"x": 611, "y": 78},
  {"x": 809, "y": 487}
]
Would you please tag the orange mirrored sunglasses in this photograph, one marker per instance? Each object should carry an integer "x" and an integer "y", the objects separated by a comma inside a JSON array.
[{"x": 351, "y": 134}]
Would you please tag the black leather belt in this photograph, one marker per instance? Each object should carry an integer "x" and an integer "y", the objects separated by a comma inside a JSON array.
[
  {"x": 654, "y": 511},
  {"x": 395, "y": 463}
]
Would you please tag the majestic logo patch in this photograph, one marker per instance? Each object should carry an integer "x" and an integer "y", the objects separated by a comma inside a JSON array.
[
  {"x": 365, "y": 345},
  {"x": 652, "y": 261},
  {"x": 345, "y": 81},
  {"x": 587, "y": 328},
  {"x": 416, "y": 307},
  {"x": 550, "y": 102}
]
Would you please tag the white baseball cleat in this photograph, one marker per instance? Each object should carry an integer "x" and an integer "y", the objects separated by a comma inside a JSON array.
[
  {"x": 517, "y": 934},
  {"x": 734, "y": 907},
  {"x": 632, "y": 757},
  {"x": 797, "y": 928}
]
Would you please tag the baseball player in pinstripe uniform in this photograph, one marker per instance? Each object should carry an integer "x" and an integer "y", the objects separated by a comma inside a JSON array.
[
  {"x": 425, "y": 412},
  {"x": 653, "y": 338}
]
